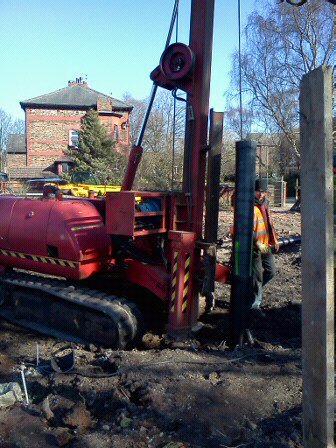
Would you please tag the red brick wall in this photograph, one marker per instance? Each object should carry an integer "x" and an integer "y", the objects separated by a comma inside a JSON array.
[
  {"x": 109, "y": 122},
  {"x": 48, "y": 133},
  {"x": 104, "y": 104}
]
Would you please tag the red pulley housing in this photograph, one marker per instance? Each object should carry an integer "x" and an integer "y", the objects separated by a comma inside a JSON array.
[
  {"x": 176, "y": 68},
  {"x": 65, "y": 238},
  {"x": 177, "y": 62}
]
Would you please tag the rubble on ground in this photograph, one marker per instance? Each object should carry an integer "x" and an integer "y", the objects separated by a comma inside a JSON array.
[{"x": 165, "y": 394}]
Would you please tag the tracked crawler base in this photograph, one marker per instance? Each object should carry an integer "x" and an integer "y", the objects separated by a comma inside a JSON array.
[{"x": 57, "y": 308}]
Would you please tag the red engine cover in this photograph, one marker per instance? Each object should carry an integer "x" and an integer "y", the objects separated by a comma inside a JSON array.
[{"x": 65, "y": 238}]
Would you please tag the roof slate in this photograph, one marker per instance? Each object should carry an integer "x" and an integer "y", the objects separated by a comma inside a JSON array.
[
  {"x": 73, "y": 96},
  {"x": 29, "y": 173},
  {"x": 16, "y": 144}
]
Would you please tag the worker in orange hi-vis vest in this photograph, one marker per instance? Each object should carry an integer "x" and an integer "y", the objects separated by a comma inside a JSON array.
[{"x": 264, "y": 238}]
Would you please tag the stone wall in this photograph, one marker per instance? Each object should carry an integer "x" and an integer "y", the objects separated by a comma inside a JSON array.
[{"x": 15, "y": 161}]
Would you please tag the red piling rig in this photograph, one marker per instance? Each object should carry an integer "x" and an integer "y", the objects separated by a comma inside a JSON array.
[{"x": 189, "y": 69}]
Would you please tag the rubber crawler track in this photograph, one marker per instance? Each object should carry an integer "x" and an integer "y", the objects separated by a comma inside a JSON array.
[{"x": 125, "y": 315}]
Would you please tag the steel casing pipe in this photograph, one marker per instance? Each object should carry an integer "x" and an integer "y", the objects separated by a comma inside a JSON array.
[{"x": 241, "y": 290}]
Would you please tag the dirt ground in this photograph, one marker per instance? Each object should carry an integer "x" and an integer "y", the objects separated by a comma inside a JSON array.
[{"x": 166, "y": 394}]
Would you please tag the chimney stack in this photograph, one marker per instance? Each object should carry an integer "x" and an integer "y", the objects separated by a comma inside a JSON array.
[{"x": 78, "y": 81}]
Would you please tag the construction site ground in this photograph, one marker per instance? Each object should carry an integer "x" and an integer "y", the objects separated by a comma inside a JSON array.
[{"x": 166, "y": 394}]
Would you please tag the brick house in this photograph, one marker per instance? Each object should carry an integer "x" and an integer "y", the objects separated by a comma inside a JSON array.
[
  {"x": 53, "y": 121},
  {"x": 16, "y": 163},
  {"x": 16, "y": 152}
]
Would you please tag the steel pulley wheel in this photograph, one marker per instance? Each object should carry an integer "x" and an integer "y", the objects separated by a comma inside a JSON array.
[{"x": 177, "y": 61}]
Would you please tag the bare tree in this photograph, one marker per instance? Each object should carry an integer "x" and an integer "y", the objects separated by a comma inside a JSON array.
[
  {"x": 18, "y": 126},
  {"x": 228, "y": 159},
  {"x": 8, "y": 126},
  {"x": 137, "y": 115},
  {"x": 5, "y": 129},
  {"x": 282, "y": 43},
  {"x": 163, "y": 139},
  {"x": 232, "y": 120},
  {"x": 156, "y": 170},
  {"x": 161, "y": 127}
]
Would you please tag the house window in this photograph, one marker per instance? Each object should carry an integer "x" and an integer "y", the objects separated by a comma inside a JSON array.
[
  {"x": 123, "y": 132},
  {"x": 65, "y": 167},
  {"x": 73, "y": 138},
  {"x": 116, "y": 132}
]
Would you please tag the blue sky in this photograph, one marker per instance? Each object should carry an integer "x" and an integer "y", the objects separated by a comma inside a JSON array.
[{"x": 115, "y": 44}]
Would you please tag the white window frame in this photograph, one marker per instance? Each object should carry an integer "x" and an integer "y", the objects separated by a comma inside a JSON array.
[
  {"x": 73, "y": 138},
  {"x": 116, "y": 132}
]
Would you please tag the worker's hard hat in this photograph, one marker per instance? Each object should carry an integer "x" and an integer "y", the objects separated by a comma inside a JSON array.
[{"x": 261, "y": 185}]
